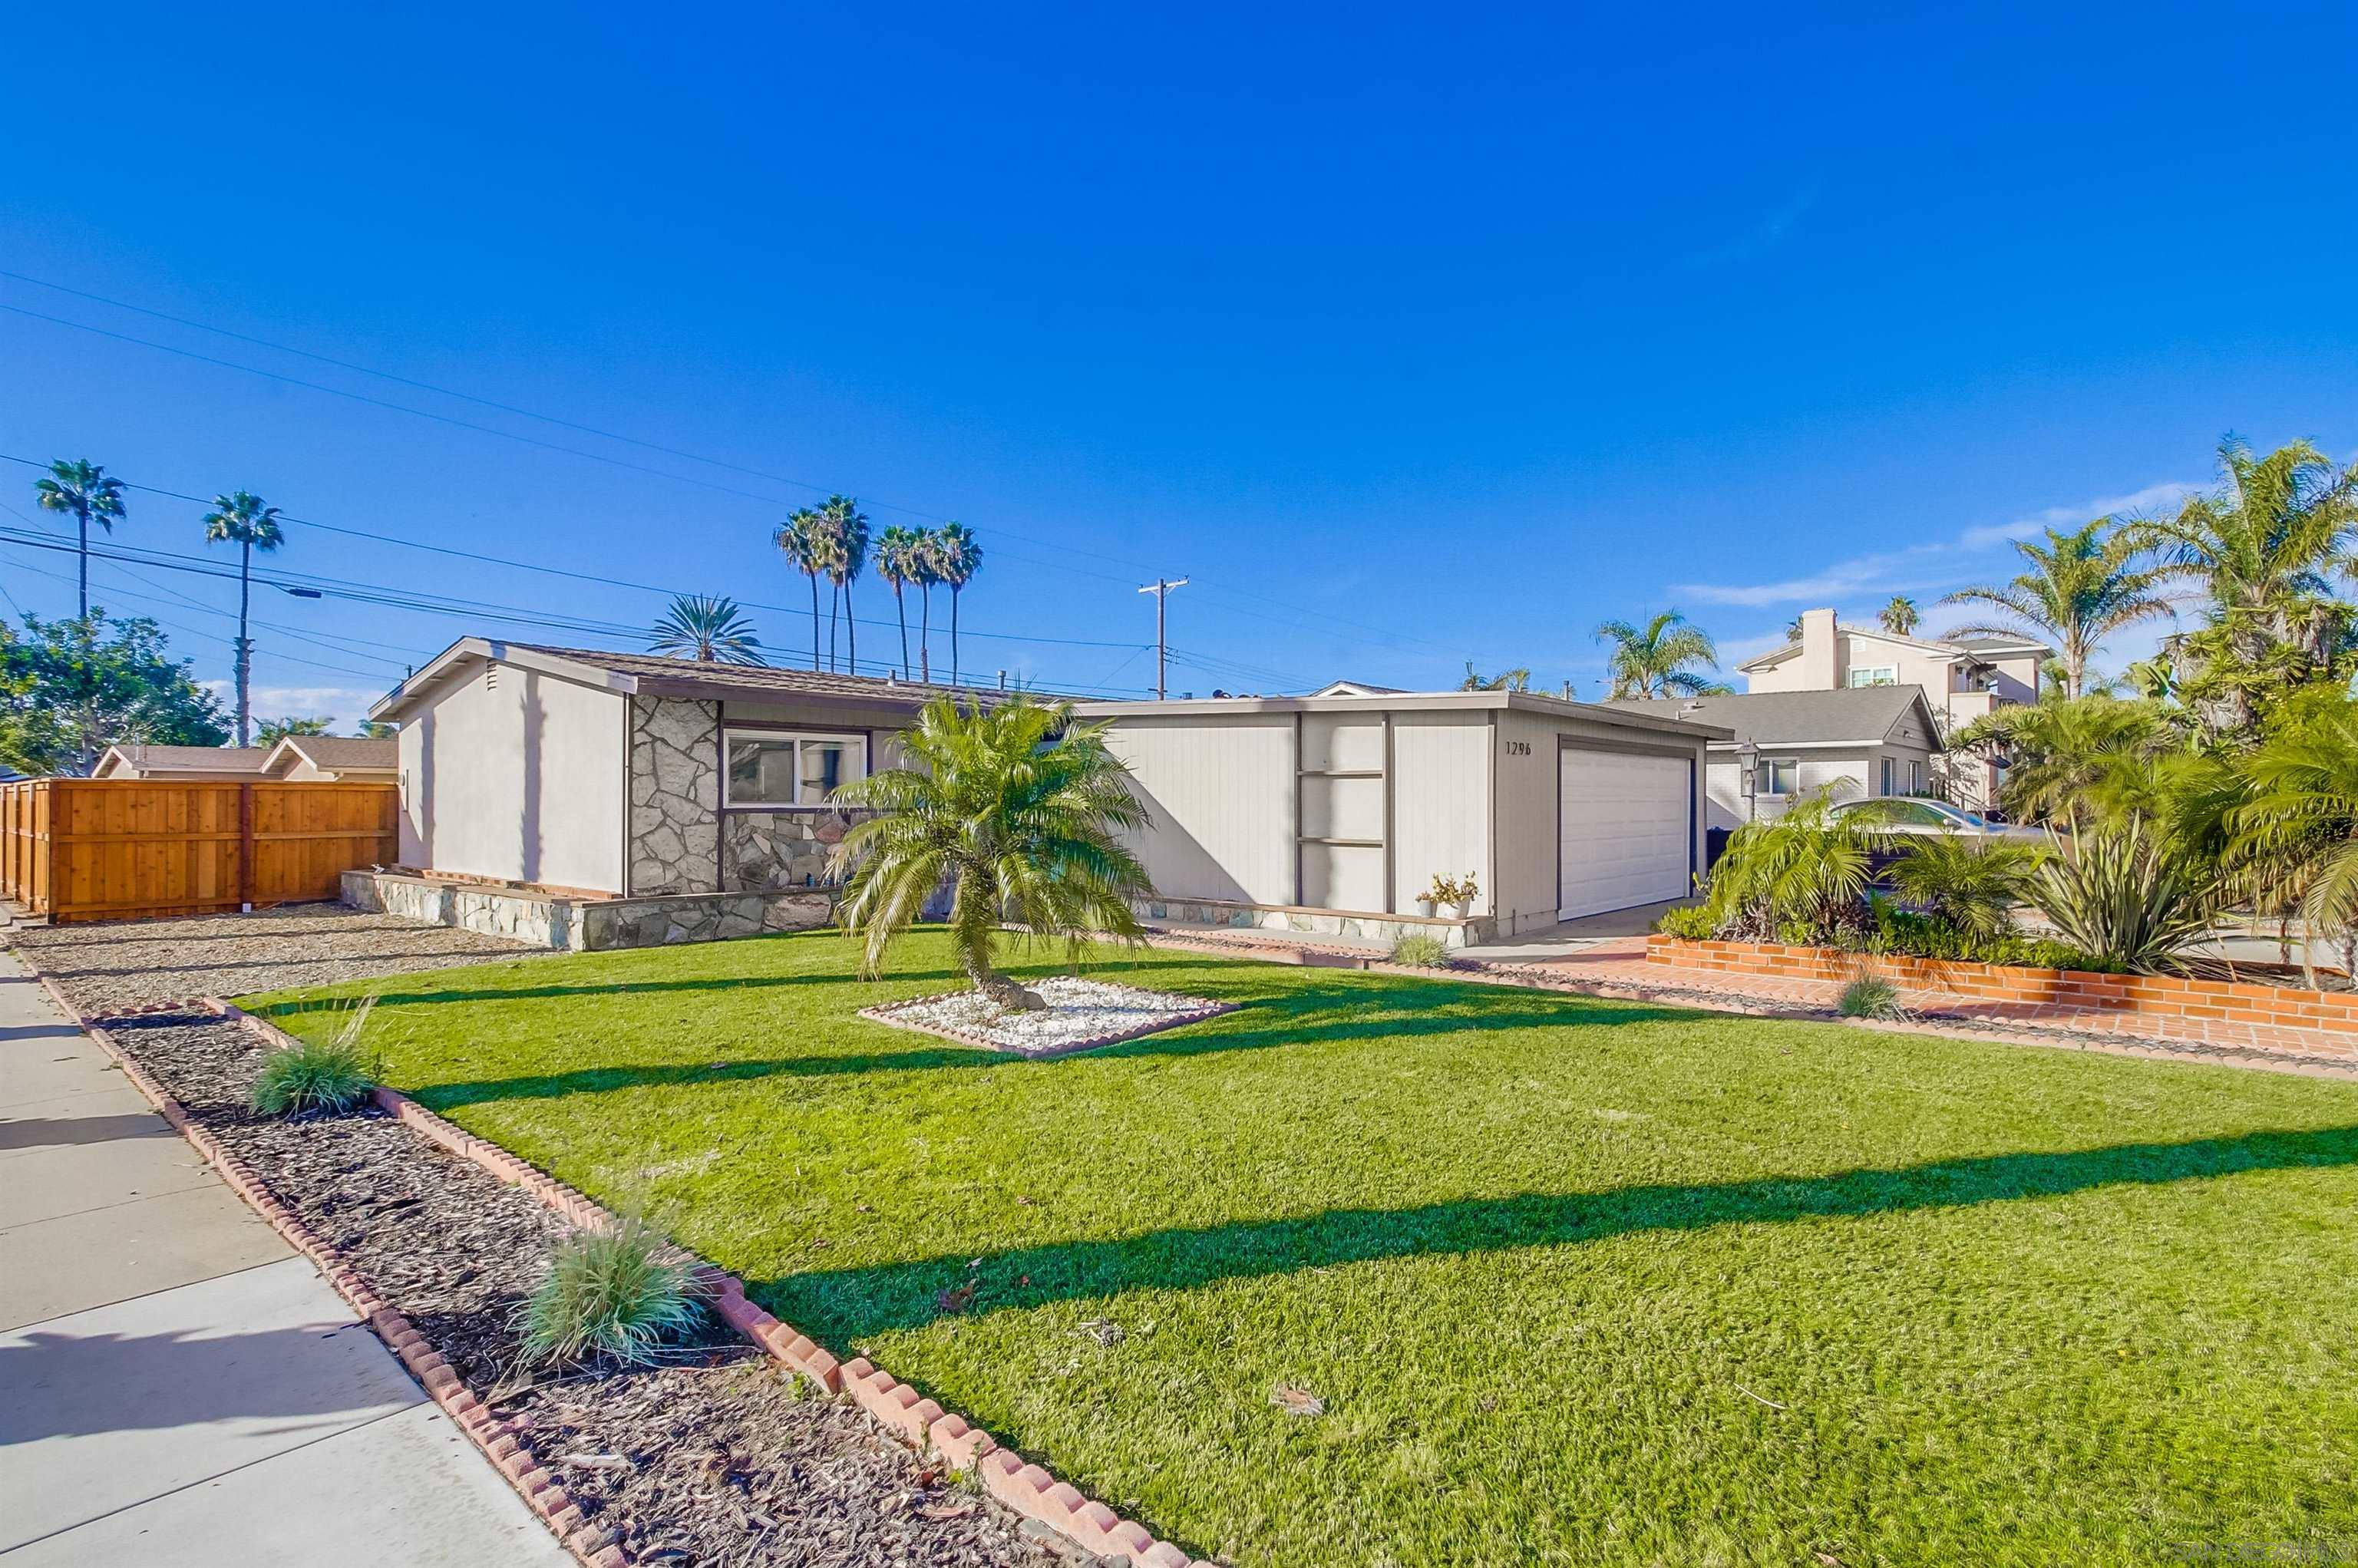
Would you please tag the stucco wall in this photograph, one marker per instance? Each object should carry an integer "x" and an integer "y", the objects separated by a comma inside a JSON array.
[{"x": 517, "y": 775}]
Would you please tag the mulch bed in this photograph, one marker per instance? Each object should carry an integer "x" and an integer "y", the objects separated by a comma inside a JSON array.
[{"x": 720, "y": 1457}]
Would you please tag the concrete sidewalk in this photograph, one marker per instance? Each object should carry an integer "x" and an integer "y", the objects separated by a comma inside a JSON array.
[{"x": 175, "y": 1383}]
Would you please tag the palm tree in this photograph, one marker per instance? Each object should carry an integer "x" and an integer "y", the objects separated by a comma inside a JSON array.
[
  {"x": 2294, "y": 839},
  {"x": 797, "y": 539},
  {"x": 926, "y": 569},
  {"x": 897, "y": 550},
  {"x": 709, "y": 630},
  {"x": 847, "y": 557},
  {"x": 244, "y": 519},
  {"x": 1972, "y": 886},
  {"x": 1808, "y": 868},
  {"x": 1517, "y": 679},
  {"x": 2082, "y": 586},
  {"x": 1652, "y": 660},
  {"x": 1899, "y": 617},
  {"x": 957, "y": 557},
  {"x": 1019, "y": 807},
  {"x": 93, "y": 496},
  {"x": 2063, "y": 752}
]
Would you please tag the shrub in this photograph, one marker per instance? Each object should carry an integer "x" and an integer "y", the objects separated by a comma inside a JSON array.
[
  {"x": 319, "y": 1077},
  {"x": 2125, "y": 896},
  {"x": 1800, "y": 877},
  {"x": 1425, "y": 951},
  {"x": 1973, "y": 887},
  {"x": 1693, "y": 922},
  {"x": 1870, "y": 996},
  {"x": 610, "y": 1292},
  {"x": 1896, "y": 930}
]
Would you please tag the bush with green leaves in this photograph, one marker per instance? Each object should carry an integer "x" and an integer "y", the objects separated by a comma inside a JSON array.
[
  {"x": 1964, "y": 882},
  {"x": 319, "y": 1077},
  {"x": 1893, "y": 929},
  {"x": 1870, "y": 996},
  {"x": 1693, "y": 922},
  {"x": 1799, "y": 877},
  {"x": 1422, "y": 949},
  {"x": 619, "y": 1293},
  {"x": 2122, "y": 894}
]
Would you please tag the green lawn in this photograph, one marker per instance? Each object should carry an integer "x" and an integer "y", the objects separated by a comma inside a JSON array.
[{"x": 1578, "y": 1281}]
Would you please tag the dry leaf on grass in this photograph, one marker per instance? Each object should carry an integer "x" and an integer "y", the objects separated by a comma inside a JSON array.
[{"x": 1295, "y": 1400}]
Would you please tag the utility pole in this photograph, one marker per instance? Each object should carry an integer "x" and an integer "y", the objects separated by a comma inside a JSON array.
[{"x": 1161, "y": 588}]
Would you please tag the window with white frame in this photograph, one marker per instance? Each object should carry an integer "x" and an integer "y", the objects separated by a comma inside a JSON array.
[
  {"x": 1874, "y": 675},
  {"x": 1916, "y": 777},
  {"x": 770, "y": 769},
  {"x": 1781, "y": 775},
  {"x": 1891, "y": 773}
]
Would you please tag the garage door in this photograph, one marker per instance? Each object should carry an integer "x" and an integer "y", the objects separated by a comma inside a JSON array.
[{"x": 1626, "y": 827}]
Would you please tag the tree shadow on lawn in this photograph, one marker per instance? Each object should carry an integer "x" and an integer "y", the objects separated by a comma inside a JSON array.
[
  {"x": 1208, "y": 1037},
  {"x": 851, "y": 1303}
]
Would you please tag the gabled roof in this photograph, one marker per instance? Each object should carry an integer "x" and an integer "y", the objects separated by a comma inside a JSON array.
[
  {"x": 1952, "y": 648},
  {"x": 138, "y": 757},
  {"x": 339, "y": 754},
  {"x": 1355, "y": 688},
  {"x": 650, "y": 674},
  {"x": 1865, "y": 715}
]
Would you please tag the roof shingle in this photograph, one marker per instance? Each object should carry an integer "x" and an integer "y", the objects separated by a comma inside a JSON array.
[{"x": 1792, "y": 718}]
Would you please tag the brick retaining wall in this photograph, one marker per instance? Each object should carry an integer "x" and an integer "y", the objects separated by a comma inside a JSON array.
[{"x": 2158, "y": 996}]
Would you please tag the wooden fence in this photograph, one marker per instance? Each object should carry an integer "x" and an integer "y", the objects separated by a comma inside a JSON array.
[{"x": 126, "y": 848}]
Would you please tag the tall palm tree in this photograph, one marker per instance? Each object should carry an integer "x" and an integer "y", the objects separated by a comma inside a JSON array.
[
  {"x": 957, "y": 557},
  {"x": 2083, "y": 585},
  {"x": 91, "y": 495},
  {"x": 896, "y": 563},
  {"x": 709, "y": 630},
  {"x": 847, "y": 557},
  {"x": 926, "y": 567},
  {"x": 1020, "y": 809},
  {"x": 1652, "y": 660},
  {"x": 797, "y": 539},
  {"x": 1899, "y": 617},
  {"x": 244, "y": 519}
]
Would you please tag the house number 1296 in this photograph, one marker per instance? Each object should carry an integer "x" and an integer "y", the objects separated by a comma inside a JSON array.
[{"x": 1519, "y": 748}]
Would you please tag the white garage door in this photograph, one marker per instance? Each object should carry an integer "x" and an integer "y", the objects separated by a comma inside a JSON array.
[{"x": 1625, "y": 824}]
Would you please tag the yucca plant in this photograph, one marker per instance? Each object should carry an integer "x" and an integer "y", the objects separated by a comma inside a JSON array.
[
  {"x": 319, "y": 1077},
  {"x": 615, "y": 1293},
  {"x": 1871, "y": 996},
  {"x": 1970, "y": 886},
  {"x": 1421, "y": 949},
  {"x": 2120, "y": 894}
]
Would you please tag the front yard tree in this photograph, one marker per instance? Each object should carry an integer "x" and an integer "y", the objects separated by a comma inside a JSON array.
[
  {"x": 70, "y": 688},
  {"x": 2083, "y": 584},
  {"x": 1018, "y": 809},
  {"x": 1655, "y": 659},
  {"x": 89, "y": 494},
  {"x": 244, "y": 519}
]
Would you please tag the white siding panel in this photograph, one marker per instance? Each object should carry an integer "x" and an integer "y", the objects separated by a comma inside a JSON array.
[
  {"x": 1221, "y": 797},
  {"x": 1441, "y": 804}
]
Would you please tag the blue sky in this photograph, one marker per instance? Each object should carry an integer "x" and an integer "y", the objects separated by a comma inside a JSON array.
[{"x": 1410, "y": 337}]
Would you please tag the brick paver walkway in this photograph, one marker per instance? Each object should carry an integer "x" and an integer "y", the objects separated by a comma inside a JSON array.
[{"x": 1616, "y": 967}]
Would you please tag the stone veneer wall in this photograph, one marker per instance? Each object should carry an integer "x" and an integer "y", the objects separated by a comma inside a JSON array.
[
  {"x": 588, "y": 925},
  {"x": 761, "y": 851},
  {"x": 1387, "y": 928},
  {"x": 674, "y": 844}
]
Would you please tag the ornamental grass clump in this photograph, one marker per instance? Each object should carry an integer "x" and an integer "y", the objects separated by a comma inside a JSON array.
[
  {"x": 319, "y": 1077},
  {"x": 1424, "y": 951},
  {"x": 1871, "y": 996},
  {"x": 613, "y": 1293}
]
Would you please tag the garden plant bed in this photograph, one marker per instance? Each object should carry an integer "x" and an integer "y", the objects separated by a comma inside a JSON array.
[
  {"x": 1081, "y": 1014},
  {"x": 719, "y": 1456},
  {"x": 1566, "y": 1279}
]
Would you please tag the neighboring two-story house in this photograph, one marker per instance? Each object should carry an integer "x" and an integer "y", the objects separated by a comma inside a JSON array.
[{"x": 1962, "y": 680}]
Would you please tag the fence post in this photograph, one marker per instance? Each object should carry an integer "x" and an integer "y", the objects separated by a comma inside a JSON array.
[{"x": 245, "y": 849}]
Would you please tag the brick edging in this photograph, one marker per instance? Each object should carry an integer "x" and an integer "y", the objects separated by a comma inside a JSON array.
[
  {"x": 1202, "y": 1008},
  {"x": 502, "y": 1446},
  {"x": 905, "y": 1412}
]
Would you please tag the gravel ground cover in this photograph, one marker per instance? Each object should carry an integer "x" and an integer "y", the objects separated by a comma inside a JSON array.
[
  {"x": 720, "y": 1458},
  {"x": 1080, "y": 1013},
  {"x": 111, "y": 967}
]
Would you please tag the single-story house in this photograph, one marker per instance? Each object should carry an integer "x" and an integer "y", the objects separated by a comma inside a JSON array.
[
  {"x": 1862, "y": 741},
  {"x": 334, "y": 759},
  {"x": 1333, "y": 814},
  {"x": 317, "y": 759},
  {"x": 138, "y": 760}
]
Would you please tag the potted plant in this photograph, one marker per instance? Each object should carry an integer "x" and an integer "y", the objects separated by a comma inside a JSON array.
[
  {"x": 1441, "y": 892},
  {"x": 1463, "y": 892}
]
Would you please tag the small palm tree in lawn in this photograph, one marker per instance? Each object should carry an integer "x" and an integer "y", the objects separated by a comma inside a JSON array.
[
  {"x": 709, "y": 630},
  {"x": 957, "y": 557},
  {"x": 797, "y": 539},
  {"x": 1654, "y": 660},
  {"x": 896, "y": 563},
  {"x": 925, "y": 570},
  {"x": 1899, "y": 617},
  {"x": 2083, "y": 584},
  {"x": 1019, "y": 807},
  {"x": 847, "y": 528},
  {"x": 89, "y": 495},
  {"x": 244, "y": 519}
]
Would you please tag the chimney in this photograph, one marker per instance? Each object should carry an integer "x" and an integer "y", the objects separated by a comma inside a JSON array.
[{"x": 1821, "y": 652}]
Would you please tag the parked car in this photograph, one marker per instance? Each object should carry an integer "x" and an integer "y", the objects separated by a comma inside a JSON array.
[{"x": 1894, "y": 814}]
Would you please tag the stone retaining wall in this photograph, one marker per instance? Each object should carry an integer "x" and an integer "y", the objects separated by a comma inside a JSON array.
[
  {"x": 2159, "y": 996},
  {"x": 589, "y": 924},
  {"x": 1386, "y": 928}
]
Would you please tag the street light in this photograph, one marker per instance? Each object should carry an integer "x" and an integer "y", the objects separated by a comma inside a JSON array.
[{"x": 1748, "y": 758}]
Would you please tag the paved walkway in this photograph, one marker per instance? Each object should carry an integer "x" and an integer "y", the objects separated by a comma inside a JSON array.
[
  {"x": 176, "y": 1384},
  {"x": 1617, "y": 965}
]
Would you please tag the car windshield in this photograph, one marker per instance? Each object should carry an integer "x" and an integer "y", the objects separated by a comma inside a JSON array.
[{"x": 1919, "y": 812}]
